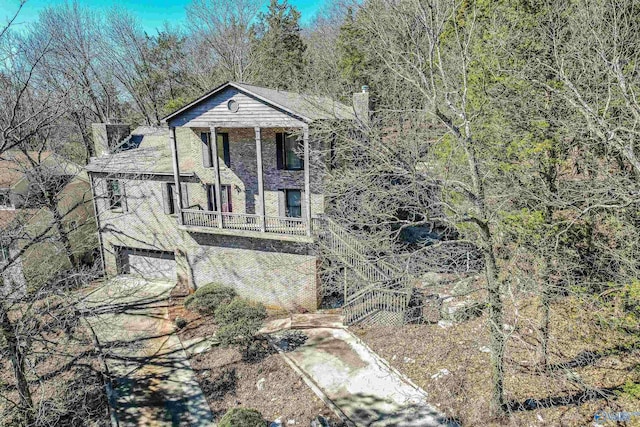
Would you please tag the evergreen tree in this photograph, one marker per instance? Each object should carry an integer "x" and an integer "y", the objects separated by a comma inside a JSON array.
[
  {"x": 278, "y": 47},
  {"x": 352, "y": 63}
]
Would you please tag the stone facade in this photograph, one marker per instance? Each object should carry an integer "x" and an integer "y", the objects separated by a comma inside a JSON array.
[{"x": 282, "y": 275}]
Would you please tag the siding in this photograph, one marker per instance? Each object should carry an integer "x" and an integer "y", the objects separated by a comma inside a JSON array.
[{"x": 251, "y": 111}]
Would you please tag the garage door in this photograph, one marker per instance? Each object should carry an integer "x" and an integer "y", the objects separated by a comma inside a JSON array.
[{"x": 148, "y": 264}]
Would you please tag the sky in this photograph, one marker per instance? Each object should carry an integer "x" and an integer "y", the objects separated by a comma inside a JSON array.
[{"x": 151, "y": 13}]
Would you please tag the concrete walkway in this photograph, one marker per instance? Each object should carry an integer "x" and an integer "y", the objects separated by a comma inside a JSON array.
[
  {"x": 357, "y": 382},
  {"x": 155, "y": 385}
]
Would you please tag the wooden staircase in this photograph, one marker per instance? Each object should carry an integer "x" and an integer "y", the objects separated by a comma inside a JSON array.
[{"x": 376, "y": 292}]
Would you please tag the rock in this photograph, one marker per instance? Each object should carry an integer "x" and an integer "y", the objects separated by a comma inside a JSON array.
[
  {"x": 441, "y": 373},
  {"x": 260, "y": 384},
  {"x": 408, "y": 360},
  {"x": 444, "y": 324},
  {"x": 394, "y": 357},
  {"x": 507, "y": 327},
  {"x": 485, "y": 349},
  {"x": 291, "y": 422}
]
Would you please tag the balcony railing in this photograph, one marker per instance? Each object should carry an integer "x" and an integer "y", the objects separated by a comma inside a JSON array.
[{"x": 245, "y": 222}]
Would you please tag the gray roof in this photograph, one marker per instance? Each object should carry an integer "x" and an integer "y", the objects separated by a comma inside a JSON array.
[
  {"x": 153, "y": 155},
  {"x": 307, "y": 107}
]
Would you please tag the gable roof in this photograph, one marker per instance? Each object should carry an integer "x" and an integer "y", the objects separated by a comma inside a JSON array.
[{"x": 305, "y": 107}]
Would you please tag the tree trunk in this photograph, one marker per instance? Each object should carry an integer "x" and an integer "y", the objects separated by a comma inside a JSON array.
[
  {"x": 545, "y": 301},
  {"x": 495, "y": 320},
  {"x": 17, "y": 361}
]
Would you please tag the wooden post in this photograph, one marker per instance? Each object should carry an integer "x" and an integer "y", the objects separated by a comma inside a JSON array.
[
  {"x": 263, "y": 226},
  {"x": 307, "y": 179},
  {"x": 213, "y": 146},
  {"x": 176, "y": 171}
]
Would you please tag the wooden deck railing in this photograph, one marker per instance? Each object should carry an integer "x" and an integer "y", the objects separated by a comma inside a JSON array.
[
  {"x": 247, "y": 222},
  {"x": 199, "y": 218}
]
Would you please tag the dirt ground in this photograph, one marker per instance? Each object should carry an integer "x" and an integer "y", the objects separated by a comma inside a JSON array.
[
  {"x": 268, "y": 384},
  {"x": 453, "y": 365}
]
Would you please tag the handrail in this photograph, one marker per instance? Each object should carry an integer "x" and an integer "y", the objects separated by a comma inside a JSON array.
[
  {"x": 243, "y": 221},
  {"x": 354, "y": 251},
  {"x": 373, "y": 301}
]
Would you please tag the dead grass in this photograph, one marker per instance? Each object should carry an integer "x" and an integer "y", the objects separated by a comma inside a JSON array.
[{"x": 584, "y": 357}]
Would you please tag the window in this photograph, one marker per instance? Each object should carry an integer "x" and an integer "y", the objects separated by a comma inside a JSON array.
[
  {"x": 293, "y": 200},
  {"x": 288, "y": 147},
  {"x": 171, "y": 199},
  {"x": 4, "y": 253},
  {"x": 225, "y": 191},
  {"x": 222, "y": 149},
  {"x": 114, "y": 188}
]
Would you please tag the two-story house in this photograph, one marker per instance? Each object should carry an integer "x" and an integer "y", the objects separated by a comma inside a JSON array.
[
  {"x": 31, "y": 246},
  {"x": 225, "y": 193}
]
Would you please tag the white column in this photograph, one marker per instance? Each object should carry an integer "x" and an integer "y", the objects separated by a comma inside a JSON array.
[
  {"x": 176, "y": 170},
  {"x": 307, "y": 180},
  {"x": 213, "y": 146},
  {"x": 260, "y": 180}
]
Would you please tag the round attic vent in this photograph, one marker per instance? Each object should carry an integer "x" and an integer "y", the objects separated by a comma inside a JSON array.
[{"x": 233, "y": 105}]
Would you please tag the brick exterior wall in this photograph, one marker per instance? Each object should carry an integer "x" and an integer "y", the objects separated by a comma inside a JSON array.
[
  {"x": 242, "y": 174},
  {"x": 282, "y": 275}
]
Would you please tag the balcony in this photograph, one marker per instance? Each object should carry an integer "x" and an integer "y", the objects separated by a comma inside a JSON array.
[{"x": 249, "y": 225}]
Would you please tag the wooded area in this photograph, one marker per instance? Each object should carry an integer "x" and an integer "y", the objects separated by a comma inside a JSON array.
[{"x": 511, "y": 126}]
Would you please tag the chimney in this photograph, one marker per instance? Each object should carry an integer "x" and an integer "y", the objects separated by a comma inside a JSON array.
[
  {"x": 362, "y": 105},
  {"x": 107, "y": 137}
]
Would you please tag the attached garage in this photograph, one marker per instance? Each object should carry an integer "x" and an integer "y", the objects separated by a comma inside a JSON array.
[{"x": 146, "y": 263}]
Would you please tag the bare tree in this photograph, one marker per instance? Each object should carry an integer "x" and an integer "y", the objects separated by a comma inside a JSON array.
[{"x": 225, "y": 27}]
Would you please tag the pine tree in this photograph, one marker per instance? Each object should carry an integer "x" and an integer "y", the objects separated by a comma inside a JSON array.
[
  {"x": 279, "y": 48},
  {"x": 352, "y": 62}
]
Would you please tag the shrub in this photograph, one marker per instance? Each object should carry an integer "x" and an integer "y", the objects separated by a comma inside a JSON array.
[
  {"x": 180, "y": 322},
  {"x": 239, "y": 321},
  {"x": 209, "y": 297},
  {"x": 242, "y": 417}
]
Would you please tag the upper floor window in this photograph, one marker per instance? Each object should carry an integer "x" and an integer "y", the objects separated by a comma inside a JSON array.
[
  {"x": 115, "y": 194},
  {"x": 171, "y": 199},
  {"x": 222, "y": 149},
  {"x": 288, "y": 147}
]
